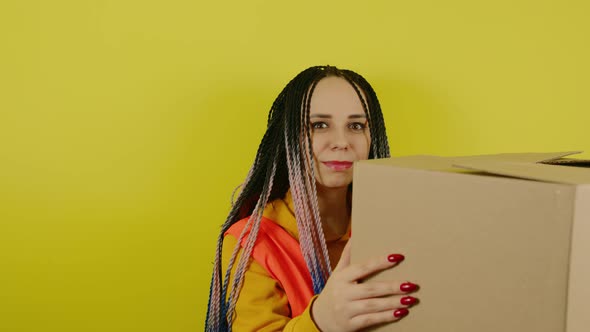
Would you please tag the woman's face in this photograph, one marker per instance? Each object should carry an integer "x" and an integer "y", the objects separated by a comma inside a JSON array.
[{"x": 339, "y": 131}]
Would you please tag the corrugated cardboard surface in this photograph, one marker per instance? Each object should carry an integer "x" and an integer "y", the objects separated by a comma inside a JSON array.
[{"x": 490, "y": 253}]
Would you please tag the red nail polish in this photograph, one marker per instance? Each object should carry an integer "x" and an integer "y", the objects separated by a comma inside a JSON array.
[
  {"x": 401, "y": 312},
  {"x": 395, "y": 258},
  {"x": 408, "y": 300},
  {"x": 408, "y": 287}
]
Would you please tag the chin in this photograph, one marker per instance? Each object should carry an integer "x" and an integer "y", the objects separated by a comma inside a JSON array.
[{"x": 334, "y": 183}]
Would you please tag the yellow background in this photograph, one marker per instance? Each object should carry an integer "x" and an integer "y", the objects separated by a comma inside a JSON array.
[{"x": 125, "y": 125}]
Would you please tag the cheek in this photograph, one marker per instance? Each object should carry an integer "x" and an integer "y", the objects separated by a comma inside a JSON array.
[
  {"x": 363, "y": 145},
  {"x": 317, "y": 145},
  {"x": 368, "y": 147}
]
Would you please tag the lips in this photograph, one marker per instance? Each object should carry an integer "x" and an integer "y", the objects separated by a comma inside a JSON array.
[{"x": 338, "y": 165}]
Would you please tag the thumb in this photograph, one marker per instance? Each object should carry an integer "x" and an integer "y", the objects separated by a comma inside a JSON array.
[{"x": 344, "y": 258}]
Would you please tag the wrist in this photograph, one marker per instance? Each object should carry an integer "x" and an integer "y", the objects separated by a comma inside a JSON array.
[{"x": 313, "y": 314}]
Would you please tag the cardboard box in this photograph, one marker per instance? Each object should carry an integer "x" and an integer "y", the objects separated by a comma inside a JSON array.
[{"x": 497, "y": 242}]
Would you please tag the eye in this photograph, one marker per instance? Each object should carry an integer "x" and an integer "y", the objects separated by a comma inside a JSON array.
[
  {"x": 357, "y": 126},
  {"x": 319, "y": 125}
]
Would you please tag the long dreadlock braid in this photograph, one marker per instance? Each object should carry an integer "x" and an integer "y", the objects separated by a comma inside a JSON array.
[
  {"x": 302, "y": 182},
  {"x": 379, "y": 143},
  {"x": 284, "y": 161}
]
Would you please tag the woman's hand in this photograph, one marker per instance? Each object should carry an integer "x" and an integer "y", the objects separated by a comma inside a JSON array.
[{"x": 345, "y": 304}]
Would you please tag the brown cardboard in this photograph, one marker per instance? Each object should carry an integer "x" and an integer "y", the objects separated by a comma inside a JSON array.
[{"x": 496, "y": 242}]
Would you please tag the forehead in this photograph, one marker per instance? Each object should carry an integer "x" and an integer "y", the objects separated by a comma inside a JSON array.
[{"x": 335, "y": 95}]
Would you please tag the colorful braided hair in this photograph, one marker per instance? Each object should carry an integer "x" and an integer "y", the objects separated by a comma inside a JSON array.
[{"x": 284, "y": 162}]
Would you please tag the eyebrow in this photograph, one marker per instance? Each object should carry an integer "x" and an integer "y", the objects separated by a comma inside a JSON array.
[{"x": 327, "y": 116}]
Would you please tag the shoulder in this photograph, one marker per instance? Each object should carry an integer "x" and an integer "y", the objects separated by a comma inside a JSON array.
[{"x": 230, "y": 243}]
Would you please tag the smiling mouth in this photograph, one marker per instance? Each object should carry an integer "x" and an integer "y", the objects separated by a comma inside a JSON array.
[{"x": 338, "y": 165}]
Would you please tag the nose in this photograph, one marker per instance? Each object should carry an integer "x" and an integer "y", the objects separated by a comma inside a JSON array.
[{"x": 339, "y": 140}]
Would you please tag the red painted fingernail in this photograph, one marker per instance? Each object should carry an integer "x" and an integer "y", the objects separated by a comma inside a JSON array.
[
  {"x": 395, "y": 258},
  {"x": 401, "y": 312},
  {"x": 408, "y": 300},
  {"x": 408, "y": 287}
]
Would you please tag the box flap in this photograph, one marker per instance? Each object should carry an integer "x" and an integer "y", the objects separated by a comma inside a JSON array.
[
  {"x": 446, "y": 164},
  {"x": 569, "y": 162},
  {"x": 532, "y": 157},
  {"x": 531, "y": 171}
]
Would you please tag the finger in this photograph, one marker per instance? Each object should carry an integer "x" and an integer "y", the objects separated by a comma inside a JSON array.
[
  {"x": 373, "y": 289},
  {"x": 375, "y": 305},
  {"x": 344, "y": 257},
  {"x": 372, "y": 319},
  {"x": 356, "y": 272}
]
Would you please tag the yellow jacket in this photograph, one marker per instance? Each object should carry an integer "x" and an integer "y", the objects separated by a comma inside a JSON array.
[{"x": 262, "y": 304}]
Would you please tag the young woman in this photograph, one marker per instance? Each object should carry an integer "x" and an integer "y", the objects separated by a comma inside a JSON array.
[{"x": 275, "y": 266}]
